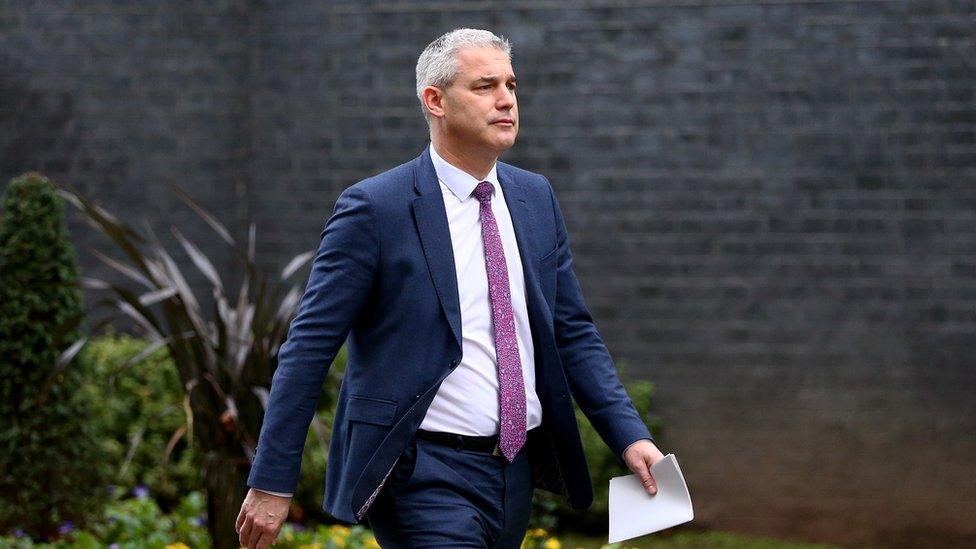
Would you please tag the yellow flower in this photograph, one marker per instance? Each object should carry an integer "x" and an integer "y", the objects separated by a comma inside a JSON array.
[
  {"x": 315, "y": 545},
  {"x": 178, "y": 545},
  {"x": 552, "y": 543},
  {"x": 539, "y": 533},
  {"x": 371, "y": 543}
]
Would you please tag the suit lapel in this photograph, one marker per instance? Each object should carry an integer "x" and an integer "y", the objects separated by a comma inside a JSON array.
[
  {"x": 516, "y": 198},
  {"x": 435, "y": 236},
  {"x": 523, "y": 217}
]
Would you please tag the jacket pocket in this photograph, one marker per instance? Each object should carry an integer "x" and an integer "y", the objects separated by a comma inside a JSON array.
[
  {"x": 548, "y": 254},
  {"x": 377, "y": 411},
  {"x": 405, "y": 469},
  {"x": 547, "y": 276}
]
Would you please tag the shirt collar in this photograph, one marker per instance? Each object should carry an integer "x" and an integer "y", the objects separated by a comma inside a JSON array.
[{"x": 460, "y": 182}]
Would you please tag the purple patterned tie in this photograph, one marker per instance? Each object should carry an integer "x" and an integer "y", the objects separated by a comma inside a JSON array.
[{"x": 511, "y": 431}]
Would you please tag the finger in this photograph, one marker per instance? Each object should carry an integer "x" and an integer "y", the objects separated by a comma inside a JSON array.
[
  {"x": 246, "y": 531},
  {"x": 240, "y": 521},
  {"x": 645, "y": 477},
  {"x": 644, "y": 474},
  {"x": 253, "y": 536},
  {"x": 267, "y": 538},
  {"x": 650, "y": 484},
  {"x": 259, "y": 532}
]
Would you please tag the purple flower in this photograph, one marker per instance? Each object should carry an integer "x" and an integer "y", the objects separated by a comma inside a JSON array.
[
  {"x": 114, "y": 546},
  {"x": 111, "y": 488},
  {"x": 112, "y": 519},
  {"x": 65, "y": 527},
  {"x": 19, "y": 533},
  {"x": 141, "y": 491},
  {"x": 200, "y": 520},
  {"x": 297, "y": 526}
]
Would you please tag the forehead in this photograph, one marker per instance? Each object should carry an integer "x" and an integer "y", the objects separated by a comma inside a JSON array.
[{"x": 477, "y": 62}]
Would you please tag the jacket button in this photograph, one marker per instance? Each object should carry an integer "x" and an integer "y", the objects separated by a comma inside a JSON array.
[
  {"x": 454, "y": 362},
  {"x": 415, "y": 397}
]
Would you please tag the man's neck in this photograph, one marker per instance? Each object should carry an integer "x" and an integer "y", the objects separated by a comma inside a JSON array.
[{"x": 477, "y": 166}]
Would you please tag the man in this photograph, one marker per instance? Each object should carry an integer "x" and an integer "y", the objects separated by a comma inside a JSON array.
[{"x": 452, "y": 277}]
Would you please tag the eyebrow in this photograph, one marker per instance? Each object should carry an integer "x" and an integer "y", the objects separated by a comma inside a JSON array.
[{"x": 492, "y": 78}]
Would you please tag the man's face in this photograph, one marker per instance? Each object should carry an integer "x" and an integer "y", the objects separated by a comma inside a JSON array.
[{"x": 480, "y": 109}]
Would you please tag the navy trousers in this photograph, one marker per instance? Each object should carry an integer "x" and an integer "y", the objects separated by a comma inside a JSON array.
[{"x": 440, "y": 496}]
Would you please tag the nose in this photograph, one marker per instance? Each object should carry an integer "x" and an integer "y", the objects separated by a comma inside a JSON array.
[{"x": 506, "y": 99}]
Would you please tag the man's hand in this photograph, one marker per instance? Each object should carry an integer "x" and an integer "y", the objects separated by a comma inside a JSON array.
[
  {"x": 639, "y": 456},
  {"x": 261, "y": 518}
]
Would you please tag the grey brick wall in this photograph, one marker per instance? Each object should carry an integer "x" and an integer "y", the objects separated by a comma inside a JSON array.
[{"x": 772, "y": 204}]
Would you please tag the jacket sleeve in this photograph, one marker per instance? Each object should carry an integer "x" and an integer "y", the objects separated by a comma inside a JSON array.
[
  {"x": 341, "y": 276},
  {"x": 589, "y": 368}
]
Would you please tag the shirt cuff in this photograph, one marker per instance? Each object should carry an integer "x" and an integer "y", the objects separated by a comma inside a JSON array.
[{"x": 279, "y": 494}]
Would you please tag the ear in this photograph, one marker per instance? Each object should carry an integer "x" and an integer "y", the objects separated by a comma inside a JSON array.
[{"x": 434, "y": 101}]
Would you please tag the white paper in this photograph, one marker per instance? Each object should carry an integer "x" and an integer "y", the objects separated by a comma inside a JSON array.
[{"x": 634, "y": 512}]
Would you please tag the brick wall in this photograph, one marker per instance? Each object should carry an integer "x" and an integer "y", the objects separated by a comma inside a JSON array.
[{"x": 772, "y": 204}]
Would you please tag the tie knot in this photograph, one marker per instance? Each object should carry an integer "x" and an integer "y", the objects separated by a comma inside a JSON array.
[{"x": 483, "y": 191}]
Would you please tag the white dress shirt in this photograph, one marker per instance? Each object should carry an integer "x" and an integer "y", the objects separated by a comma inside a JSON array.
[{"x": 467, "y": 402}]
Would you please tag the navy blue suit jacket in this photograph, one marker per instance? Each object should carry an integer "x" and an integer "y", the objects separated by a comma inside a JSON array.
[{"x": 383, "y": 280}]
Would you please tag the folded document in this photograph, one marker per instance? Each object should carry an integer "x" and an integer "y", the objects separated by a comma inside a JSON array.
[{"x": 634, "y": 512}]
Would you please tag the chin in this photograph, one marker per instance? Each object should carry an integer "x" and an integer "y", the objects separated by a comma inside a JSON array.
[
  {"x": 507, "y": 142},
  {"x": 504, "y": 146}
]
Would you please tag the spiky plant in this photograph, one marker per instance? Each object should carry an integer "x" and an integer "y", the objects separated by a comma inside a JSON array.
[{"x": 225, "y": 358}]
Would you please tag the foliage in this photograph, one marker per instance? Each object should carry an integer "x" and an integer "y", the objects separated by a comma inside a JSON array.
[
  {"x": 142, "y": 417},
  {"x": 144, "y": 421},
  {"x": 225, "y": 359},
  {"x": 50, "y": 456},
  {"x": 137, "y": 523},
  {"x": 133, "y": 523},
  {"x": 294, "y": 536},
  {"x": 540, "y": 538}
]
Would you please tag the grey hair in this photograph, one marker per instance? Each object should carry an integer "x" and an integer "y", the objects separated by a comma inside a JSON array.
[{"x": 438, "y": 64}]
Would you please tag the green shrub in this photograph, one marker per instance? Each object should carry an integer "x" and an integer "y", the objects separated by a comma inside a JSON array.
[
  {"x": 133, "y": 523},
  {"x": 142, "y": 418},
  {"x": 225, "y": 356},
  {"x": 50, "y": 457},
  {"x": 138, "y": 523}
]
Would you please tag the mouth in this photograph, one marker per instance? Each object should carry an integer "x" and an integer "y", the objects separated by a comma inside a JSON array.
[{"x": 504, "y": 122}]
